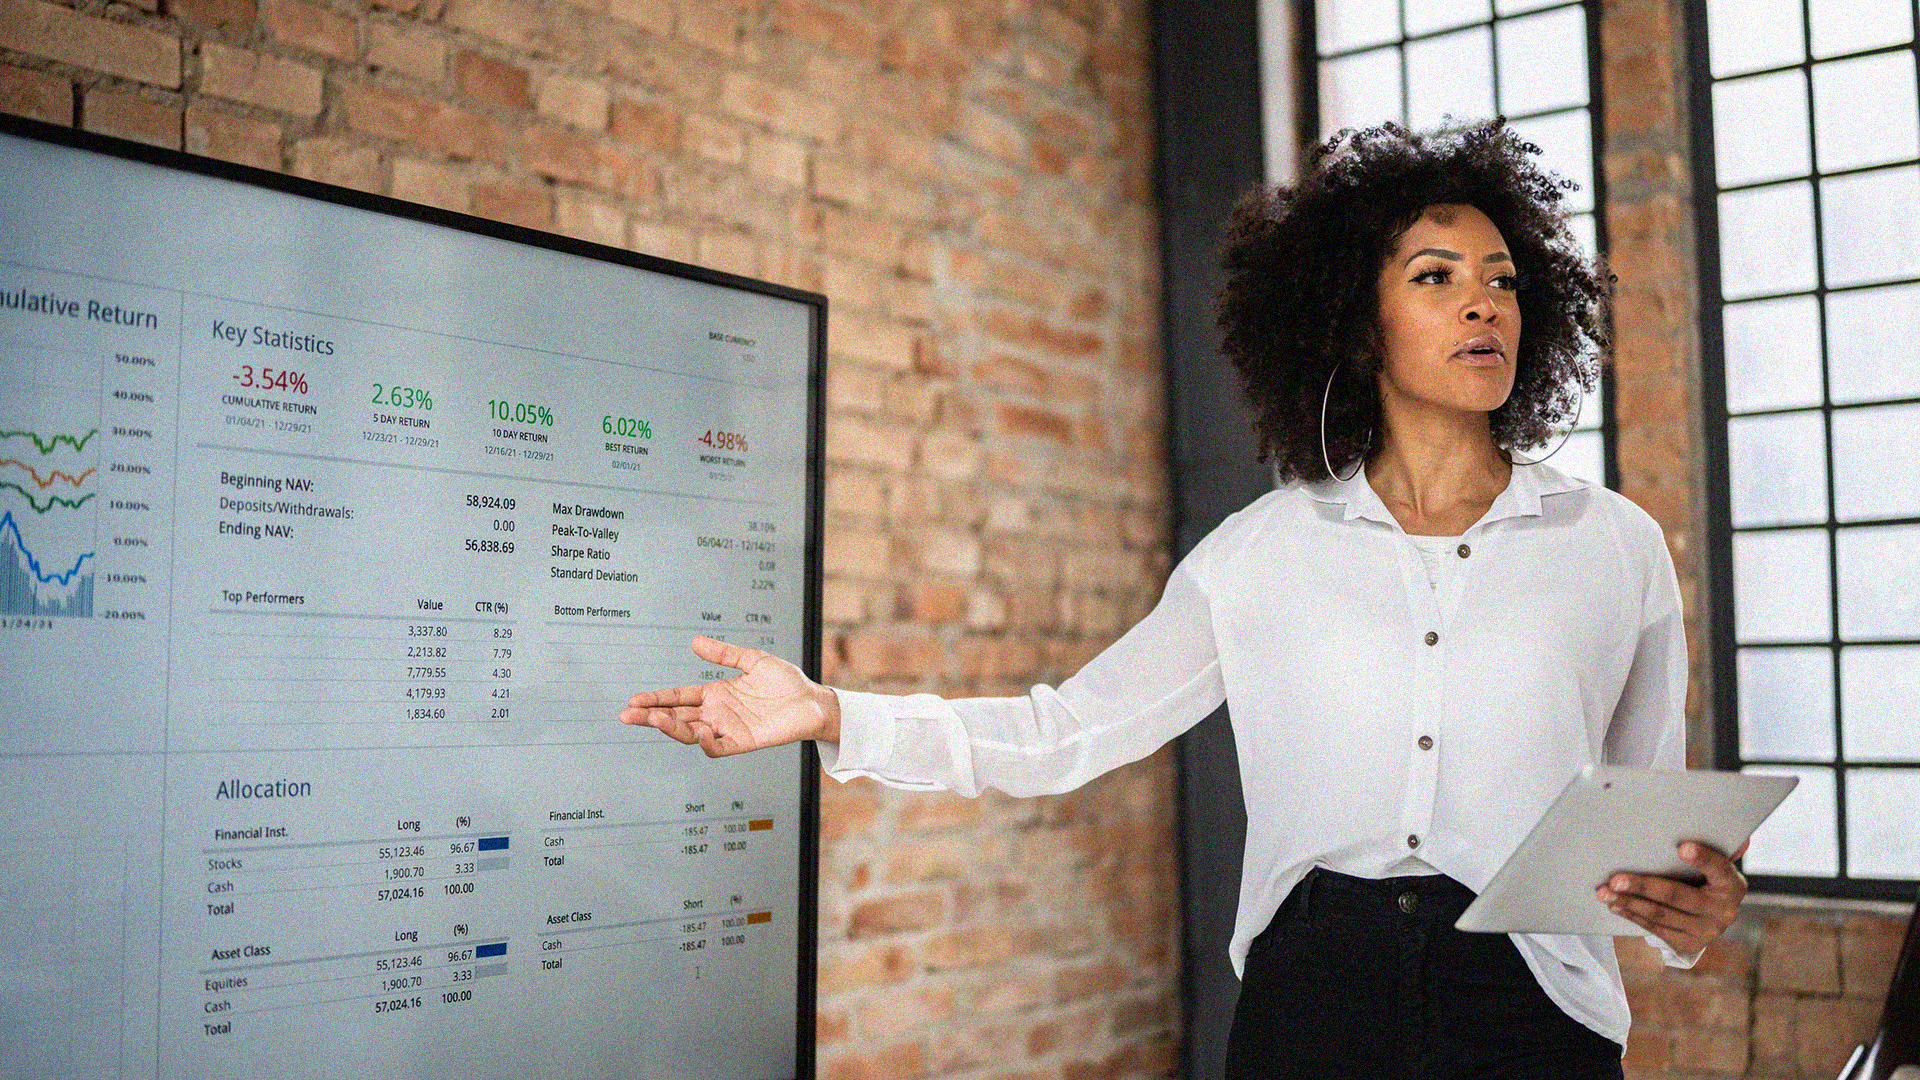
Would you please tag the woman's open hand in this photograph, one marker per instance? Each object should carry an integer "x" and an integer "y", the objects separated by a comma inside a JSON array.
[
  {"x": 770, "y": 703},
  {"x": 1684, "y": 916}
]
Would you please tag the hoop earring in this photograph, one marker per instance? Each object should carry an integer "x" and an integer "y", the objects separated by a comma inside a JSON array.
[
  {"x": 1564, "y": 436},
  {"x": 1323, "y": 433}
]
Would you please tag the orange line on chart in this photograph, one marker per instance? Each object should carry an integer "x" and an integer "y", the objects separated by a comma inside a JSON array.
[{"x": 55, "y": 474}]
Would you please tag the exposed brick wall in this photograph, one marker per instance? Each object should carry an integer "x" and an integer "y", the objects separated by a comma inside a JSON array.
[
  {"x": 1786, "y": 994},
  {"x": 1791, "y": 989},
  {"x": 968, "y": 182},
  {"x": 1657, "y": 412}
]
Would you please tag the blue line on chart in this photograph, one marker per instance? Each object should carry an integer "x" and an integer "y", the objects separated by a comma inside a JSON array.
[{"x": 6, "y": 520}]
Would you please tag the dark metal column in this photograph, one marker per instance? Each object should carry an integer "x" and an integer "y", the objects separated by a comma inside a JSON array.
[{"x": 1207, "y": 95}]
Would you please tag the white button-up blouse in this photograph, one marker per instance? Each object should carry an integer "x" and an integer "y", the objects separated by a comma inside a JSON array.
[{"x": 1376, "y": 715}]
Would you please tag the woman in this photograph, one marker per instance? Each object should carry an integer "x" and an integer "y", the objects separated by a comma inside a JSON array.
[{"x": 1420, "y": 636}]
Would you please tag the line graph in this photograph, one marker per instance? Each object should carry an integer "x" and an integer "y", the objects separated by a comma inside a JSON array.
[
  {"x": 64, "y": 578},
  {"x": 50, "y": 444},
  {"x": 52, "y": 474},
  {"x": 21, "y": 587},
  {"x": 52, "y": 500},
  {"x": 53, "y": 433},
  {"x": 40, "y": 505}
]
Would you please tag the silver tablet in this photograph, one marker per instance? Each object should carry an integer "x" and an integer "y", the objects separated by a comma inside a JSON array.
[{"x": 1612, "y": 819}]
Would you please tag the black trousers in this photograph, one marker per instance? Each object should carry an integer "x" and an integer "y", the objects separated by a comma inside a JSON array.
[{"x": 1368, "y": 979}]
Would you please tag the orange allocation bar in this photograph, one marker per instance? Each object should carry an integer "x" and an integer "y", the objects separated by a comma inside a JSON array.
[
  {"x": 760, "y": 824},
  {"x": 759, "y": 917}
]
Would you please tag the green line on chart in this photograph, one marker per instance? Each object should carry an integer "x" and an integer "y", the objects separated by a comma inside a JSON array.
[
  {"x": 71, "y": 504},
  {"x": 48, "y": 446}
]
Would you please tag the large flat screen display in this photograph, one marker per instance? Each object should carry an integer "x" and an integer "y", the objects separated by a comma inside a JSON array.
[{"x": 333, "y": 534}]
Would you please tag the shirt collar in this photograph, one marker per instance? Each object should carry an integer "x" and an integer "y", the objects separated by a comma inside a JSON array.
[{"x": 1520, "y": 499}]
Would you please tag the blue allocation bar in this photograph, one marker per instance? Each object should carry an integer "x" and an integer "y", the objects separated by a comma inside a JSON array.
[
  {"x": 493, "y": 843},
  {"x": 498, "y": 948}
]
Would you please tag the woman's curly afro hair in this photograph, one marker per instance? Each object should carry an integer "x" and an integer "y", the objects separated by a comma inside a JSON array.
[{"x": 1301, "y": 298}]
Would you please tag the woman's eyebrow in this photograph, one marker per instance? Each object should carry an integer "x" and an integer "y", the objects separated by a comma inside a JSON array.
[{"x": 1498, "y": 256}]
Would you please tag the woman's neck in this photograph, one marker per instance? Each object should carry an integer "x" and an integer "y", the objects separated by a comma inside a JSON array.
[{"x": 1438, "y": 487}]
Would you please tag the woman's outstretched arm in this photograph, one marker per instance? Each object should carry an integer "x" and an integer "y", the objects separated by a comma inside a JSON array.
[{"x": 1159, "y": 679}]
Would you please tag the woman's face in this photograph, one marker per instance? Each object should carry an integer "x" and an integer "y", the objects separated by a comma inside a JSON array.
[{"x": 1449, "y": 314}]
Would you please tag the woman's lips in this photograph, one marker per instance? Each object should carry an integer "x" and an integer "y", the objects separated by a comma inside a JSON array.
[{"x": 1483, "y": 351}]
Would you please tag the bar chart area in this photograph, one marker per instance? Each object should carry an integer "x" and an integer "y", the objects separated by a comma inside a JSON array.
[
  {"x": 314, "y": 892},
  {"x": 413, "y": 896},
  {"x": 419, "y": 962}
]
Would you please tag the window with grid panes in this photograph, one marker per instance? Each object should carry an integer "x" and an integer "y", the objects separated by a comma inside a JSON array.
[
  {"x": 1429, "y": 63},
  {"x": 1807, "y": 138}
]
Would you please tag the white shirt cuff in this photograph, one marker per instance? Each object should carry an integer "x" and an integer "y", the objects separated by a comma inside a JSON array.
[
  {"x": 1672, "y": 958},
  {"x": 866, "y": 737}
]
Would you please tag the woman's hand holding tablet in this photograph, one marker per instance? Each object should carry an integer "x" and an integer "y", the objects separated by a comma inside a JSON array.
[{"x": 1686, "y": 917}]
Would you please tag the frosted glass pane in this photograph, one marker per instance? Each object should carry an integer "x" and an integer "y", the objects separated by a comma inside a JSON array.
[
  {"x": 1802, "y": 835},
  {"x": 1766, "y": 241},
  {"x": 1760, "y": 128},
  {"x": 1581, "y": 226},
  {"x": 1543, "y": 62},
  {"x": 1427, "y": 16},
  {"x": 1777, "y": 469},
  {"x": 1864, "y": 112},
  {"x": 1874, "y": 475},
  {"x": 1883, "y": 806},
  {"x": 1349, "y": 24},
  {"x": 1450, "y": 75},
  {"x": 1750, "y": 35},
  {"x": 1591, "y": 411},
  {"x": 1360, "y": 90},
  {"x": 1869, "y": 226},
  {"x": 1566, "y": 149},
  {"x": 1844, "y": 26},
  {"x": 1780, "y": 586},
  {"x": 1879, "y": 689},
  {"x": 1873, "y": 343},
  {"x": 1880, "y": 582},
  {"x": 1786, "y": 704},
  {"x": 1582, "y": 457},
  {"x": 1773, "y": 353},
  {"x": 1515, "y": 7}
]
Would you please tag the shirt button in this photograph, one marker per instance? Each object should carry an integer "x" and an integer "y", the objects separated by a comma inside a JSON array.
[
  {"x": 1426, "y": 742},
  {"x": 1465, "y": 551},
  {"x": 1409, "y": 902},
  {"x": 1413, "y": 841},
  {"x": 1433, "y": 638}
]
